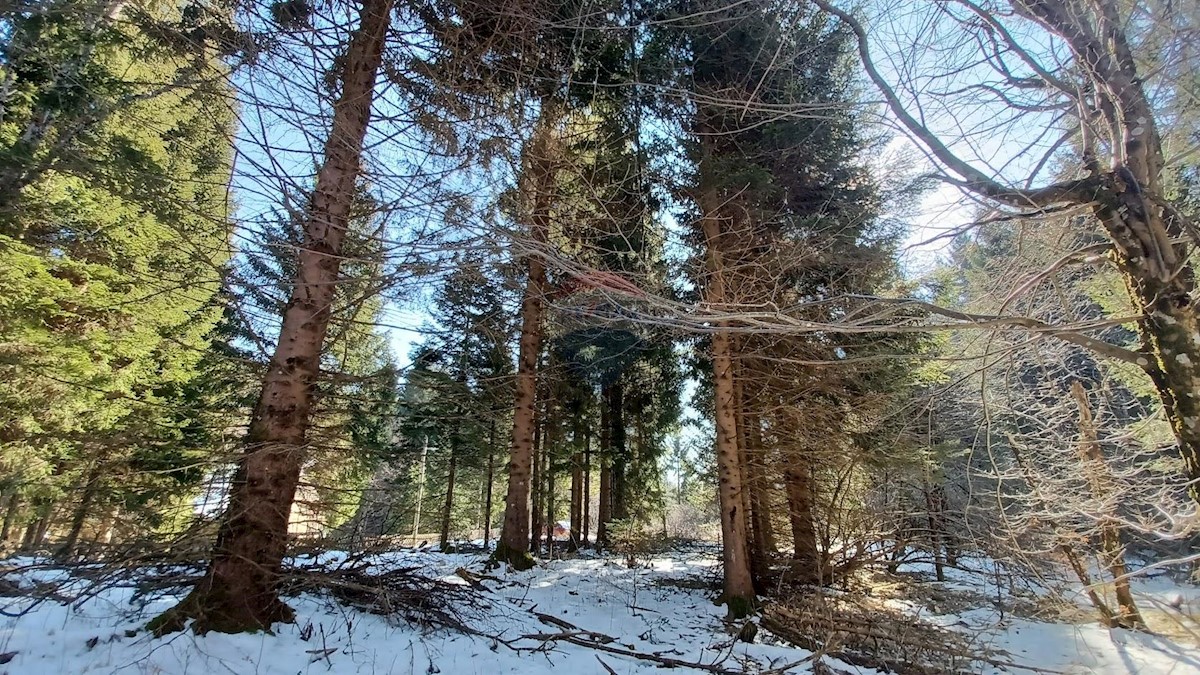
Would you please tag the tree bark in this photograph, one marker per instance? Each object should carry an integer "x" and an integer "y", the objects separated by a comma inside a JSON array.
[
  {"x": 587, "y": 487},
  {"x": 739, "y": 595},
  {"x": 550, "y": 444},
  {"x": 1100, "y": 478},
  {"x": 10, "y": 517},
  {"x": 760, "y": 496},
  {"x": 604, "y": 507},
  {"x": 577, "y": 483},
  {"x": 754, "y": 540},
  {"x": 239, "y": 590},
  {"x": 448, "y": 507},
  {"x": 619, "y": 451},
  {"x": 513, "y": 546},
  {"x": 83, "y": 509},
  {"x": 805, "y": 550},
  {"x": 487, "y": 497},
  {"x": 35, "y": 533},
  {"x": 420, "y": 500},
  {"x": 935, "y": 538},
  {"x": 535, "y": 528}
]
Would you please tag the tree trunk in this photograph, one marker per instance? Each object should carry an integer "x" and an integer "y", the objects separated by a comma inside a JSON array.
[
  {"x": 935, "y": 539},
  {"x": 577, "y": 483},
  {"x": 587, "y": 487},
  {"x": 239, "y": 590},
  {"x": 448, "y": 507},
  {"x": 513, "y": 546},
  {"x": 604, "y": 506},
  {"x": 754, "y": 540},
  {"x": 1167, "y": 335},
  {"x": 420, "y": 501},
  {"x": 10, "y": 516},
  {"x": 1100, "y": 478},
  {"x": 548, "y": 474},
  {"x": 82, "y": 510},
  {"x": 618, "y": 450},
  {"x": 805, "y": 550},
  {"x": 739, "y": 595},
  {"x": 535, "y": 529},
  {"x": 487, "y": 497},
  {"x": 760, "y": 496},
  {"x": 42, "y": 525}
]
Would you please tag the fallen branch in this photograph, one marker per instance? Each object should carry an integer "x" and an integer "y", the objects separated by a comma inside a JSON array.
[{"x": 572, "y": 634}]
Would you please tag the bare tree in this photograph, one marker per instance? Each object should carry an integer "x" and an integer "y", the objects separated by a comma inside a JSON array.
[{"x": 1118, "y": 178}]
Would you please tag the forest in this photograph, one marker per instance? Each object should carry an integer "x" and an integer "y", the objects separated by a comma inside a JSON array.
[{"x": 729, "y": 336}]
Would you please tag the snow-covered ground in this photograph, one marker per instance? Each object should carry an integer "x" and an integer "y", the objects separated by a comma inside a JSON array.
[{"x": 664, "y": 608}]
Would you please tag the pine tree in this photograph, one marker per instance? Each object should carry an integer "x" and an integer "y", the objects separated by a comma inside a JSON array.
[
  {"x": 239, "y": 590},
  {"x": 114, "y": 147}
]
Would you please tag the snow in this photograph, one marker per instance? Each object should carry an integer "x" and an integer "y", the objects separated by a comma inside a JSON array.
[{"x": 663, "y": 606}]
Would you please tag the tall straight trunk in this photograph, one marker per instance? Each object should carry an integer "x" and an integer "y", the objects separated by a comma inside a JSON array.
[
  {"x": 587, "y": 487},
  {"x": 576, "y": 484},
  {"x": 1100, "y": 478},
  {"x": 619, "y": 451},
  {"x": 739, "y": 594},
  {"x": 487, "y": 495},
  {"x": 513, "y": 546},
  {"x": 604, "y": 505},
  {"x": 448, "y": 506},
  {"x": 91, "y": 488},
  {"x": 753, "y": 536},
  {"x": 239, "y": 591},
  {"x": 805, "y": 550},
  {"x": 420, "y": 501},
  {"x": 760, "y": 497},
  {"x": 548, "y": 476},
  {"x": 535, "y": 529}
]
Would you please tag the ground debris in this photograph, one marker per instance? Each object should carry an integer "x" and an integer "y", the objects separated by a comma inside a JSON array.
[{"x": 862, "y": 631}]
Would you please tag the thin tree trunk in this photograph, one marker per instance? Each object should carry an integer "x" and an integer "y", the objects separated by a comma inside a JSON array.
[
  {"x": 487, "y": 498},
  {"x": 448, "y": 507},
  {"x": 10, "y": 516},
  {"x": 420, "y": 502},
  {"x": 548, "y": 474},
  {"x": 513, "y": 546},
  {"x": 935, "y": 540},
  {"x": 239, "y": 590},
  {"x": 619, "y": 452},
  {"x": 1102, "y": 484},
  {"x": 576, "y": 484},
  {"x": 91, "y": 485},
  {"x": 1080, "y": 568},
  {"x": 739, "y": 595},
  {"x": 604, "y": 510},
  {"x": 42, "y": 525},
  {"x": 587, "y": 486},
  {"x": 760, "y": 501}
]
